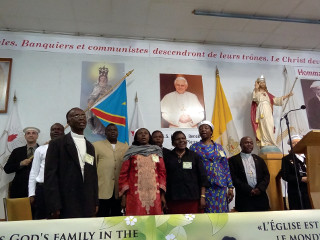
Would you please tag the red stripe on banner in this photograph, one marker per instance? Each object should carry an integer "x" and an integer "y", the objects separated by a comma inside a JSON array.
[{"x": 116, "y": 119}]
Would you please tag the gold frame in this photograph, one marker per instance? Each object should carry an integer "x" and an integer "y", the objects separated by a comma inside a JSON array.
[{"x": 5, "y": 76}]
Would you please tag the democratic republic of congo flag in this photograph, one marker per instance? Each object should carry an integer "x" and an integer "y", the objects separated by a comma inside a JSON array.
[{"x": 113, "y": 109}]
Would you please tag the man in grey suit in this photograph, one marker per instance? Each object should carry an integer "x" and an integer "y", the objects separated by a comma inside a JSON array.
[{"x": 70, "y": 178}]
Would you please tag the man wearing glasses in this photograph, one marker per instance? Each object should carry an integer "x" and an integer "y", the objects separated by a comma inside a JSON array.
[{"x": 70, "y": 178}]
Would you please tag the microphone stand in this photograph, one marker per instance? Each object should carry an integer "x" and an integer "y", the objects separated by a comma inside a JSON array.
[{"x": 294, "y": 160}]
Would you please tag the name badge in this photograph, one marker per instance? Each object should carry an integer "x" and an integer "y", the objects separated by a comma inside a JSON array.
[
  {"x": 155, "y": 158},
  {"x": 88, "y": 159},
  {"x": 187, "y": 165},
  {"x": 222, "y": 154}
]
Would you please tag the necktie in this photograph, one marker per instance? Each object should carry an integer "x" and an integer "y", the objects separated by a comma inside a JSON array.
[{"x": 30, "y": 152}]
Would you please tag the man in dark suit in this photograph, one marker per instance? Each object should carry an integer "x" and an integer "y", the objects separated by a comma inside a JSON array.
[
  {"x": 251, "y": 177},
  {"x": 70, "y": 177},
  {"x": 289, "y": 174},
  {"x": 313, "y": 106},
  {"x": 19, "y": 163}
]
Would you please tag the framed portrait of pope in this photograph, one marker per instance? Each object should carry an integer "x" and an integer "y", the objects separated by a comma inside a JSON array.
[{"x": 181, "y": 100}]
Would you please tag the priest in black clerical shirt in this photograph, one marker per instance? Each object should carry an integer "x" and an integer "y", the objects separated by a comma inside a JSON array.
[{"x": 250, "y": 177}]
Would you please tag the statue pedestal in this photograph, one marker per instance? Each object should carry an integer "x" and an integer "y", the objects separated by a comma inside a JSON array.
[{"x": 273, "y": 161}]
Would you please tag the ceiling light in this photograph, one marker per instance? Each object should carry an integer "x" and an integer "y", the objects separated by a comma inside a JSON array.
[{"x": 255, "y": 17}]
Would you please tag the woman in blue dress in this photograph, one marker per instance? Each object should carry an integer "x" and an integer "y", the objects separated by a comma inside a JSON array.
[{"x": 214, "y": 158}]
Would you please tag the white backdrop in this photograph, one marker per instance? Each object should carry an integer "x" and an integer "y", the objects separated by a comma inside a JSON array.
[{"x": 48, "y": 84}]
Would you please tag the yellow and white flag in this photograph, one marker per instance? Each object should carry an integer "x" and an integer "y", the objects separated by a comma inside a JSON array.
[{"x": 224, "y": 131}]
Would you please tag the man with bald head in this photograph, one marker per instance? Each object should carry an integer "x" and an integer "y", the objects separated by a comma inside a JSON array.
[
  {"x": 70, "y": 176},
  {"x": 36, "y": 177},
  {"x": 250, "y": 177},
  {"x": 20, "y": 162},
  {"x": 181, "y": 109}
]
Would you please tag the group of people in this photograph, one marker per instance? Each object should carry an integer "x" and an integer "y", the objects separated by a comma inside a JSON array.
[
  {"x": 60, "y": 178},
  {"x": 70, "y": 177}
]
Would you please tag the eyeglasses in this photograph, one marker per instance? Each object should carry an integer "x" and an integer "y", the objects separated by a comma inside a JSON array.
[{"x": 77, "y": 116}]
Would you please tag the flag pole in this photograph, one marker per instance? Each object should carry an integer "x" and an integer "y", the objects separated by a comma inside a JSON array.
[
  {"x": 285, "y": 133},
  {"x": 290, "y": 93},
  {"x": 136, "y": 98},
  {"x": 109, "y": 91},
  {"x": 15, "y": 97}
]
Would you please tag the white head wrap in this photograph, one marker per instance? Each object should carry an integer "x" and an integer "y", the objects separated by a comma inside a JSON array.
[{"x": 205, "y": 122}]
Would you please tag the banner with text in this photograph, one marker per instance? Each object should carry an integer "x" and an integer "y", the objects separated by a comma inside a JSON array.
[
  {"x": 192, "y": 135},
  {"x": 146, "y": 48},
  {"x": 288, "y": 225},
  {"x": 307, "y": 72}
]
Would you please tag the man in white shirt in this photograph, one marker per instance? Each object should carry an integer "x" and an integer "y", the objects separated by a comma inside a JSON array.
[
  {"x": 36, "y": 176},
  {"x": 181, "y": 109}
]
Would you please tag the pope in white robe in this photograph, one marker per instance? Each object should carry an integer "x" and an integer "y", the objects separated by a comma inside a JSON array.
[{"x": 180, "y": 108}]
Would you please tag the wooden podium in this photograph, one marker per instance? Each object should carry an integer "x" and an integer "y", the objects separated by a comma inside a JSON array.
[
  {"x": 273, "y": 161},
  {"x": 310, "y": 146}
]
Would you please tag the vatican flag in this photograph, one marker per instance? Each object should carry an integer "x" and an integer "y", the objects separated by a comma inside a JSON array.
[{"x": 224, "y": 131}]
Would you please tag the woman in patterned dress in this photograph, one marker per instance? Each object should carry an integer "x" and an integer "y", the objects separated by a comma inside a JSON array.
[
  {"x": 142, "y": 180},
  {"x": 214, "y": 158}
]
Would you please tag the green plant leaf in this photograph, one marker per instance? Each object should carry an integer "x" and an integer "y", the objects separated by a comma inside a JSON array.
[
  {"x": 109, "y": 222},
  {"x": 218, "y": 221},
  {"x": 179, "y": 233},
  {"x": 178, "y": 220},
  {"x": 161, "y": 219}
]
